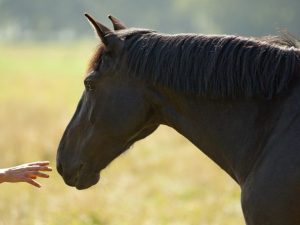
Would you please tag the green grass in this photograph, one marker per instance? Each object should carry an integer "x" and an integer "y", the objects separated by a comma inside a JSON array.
[{"x": 163, "y": 180}]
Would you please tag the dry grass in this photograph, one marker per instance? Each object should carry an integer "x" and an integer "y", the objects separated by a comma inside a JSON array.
[{"x": 163, "y": 180}]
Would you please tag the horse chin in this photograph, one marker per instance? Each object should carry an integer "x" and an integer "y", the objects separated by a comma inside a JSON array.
[{"x": 85, "y": 182}]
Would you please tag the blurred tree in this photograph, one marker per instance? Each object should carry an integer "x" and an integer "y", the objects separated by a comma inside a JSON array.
[
  {"x": 255, "y": 17},
  {"x": 63, "y": 19}
]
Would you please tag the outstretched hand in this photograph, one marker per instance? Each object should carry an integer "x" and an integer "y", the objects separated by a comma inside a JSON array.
[{"x": 25, "y": 173}]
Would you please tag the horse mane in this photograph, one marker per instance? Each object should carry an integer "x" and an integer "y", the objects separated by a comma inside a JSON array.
[{"x": 216, "y": 66}]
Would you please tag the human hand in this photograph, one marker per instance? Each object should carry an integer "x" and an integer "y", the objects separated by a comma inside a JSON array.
[{"x": 25, "y": 173}]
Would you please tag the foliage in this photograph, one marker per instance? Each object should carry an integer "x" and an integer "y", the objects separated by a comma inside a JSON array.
[{"x": 63, "y": 19}]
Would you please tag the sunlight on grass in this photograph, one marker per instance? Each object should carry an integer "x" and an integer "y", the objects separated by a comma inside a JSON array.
[{"x": 163, "y": 180}]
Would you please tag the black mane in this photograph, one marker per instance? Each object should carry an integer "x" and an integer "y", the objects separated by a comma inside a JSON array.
[{"x": 212, "y": 65}]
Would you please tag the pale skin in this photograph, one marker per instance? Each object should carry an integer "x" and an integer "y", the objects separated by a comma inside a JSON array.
[{"x": 28, "y": 173}]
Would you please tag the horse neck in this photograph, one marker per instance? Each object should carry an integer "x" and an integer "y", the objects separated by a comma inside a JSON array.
[{"x": 231, "y": 133}]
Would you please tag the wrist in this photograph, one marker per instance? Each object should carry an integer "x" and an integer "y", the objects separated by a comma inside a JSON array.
[{"x": 2, "y": 175}]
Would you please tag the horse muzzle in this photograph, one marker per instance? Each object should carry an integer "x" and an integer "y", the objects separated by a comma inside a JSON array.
[{"x": 80, "y": 176}]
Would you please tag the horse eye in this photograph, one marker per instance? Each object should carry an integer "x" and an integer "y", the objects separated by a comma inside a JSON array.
[{"x": 89, "y": 85}]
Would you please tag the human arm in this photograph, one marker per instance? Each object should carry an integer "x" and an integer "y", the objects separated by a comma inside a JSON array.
[{"x": 25, "y": 173}]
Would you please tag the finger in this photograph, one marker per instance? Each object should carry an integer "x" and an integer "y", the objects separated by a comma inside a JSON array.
[
  {"x": 39, "y": 168},
  {"x": 32, "y": 182},
  {"x": 39, "y": 163},
  {"x": 36, "y": 174}
]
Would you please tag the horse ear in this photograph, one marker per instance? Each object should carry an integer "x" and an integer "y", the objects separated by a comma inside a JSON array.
[
  {"x": 101, "y": 30},
  {"x": 107, "y": 36},
  {"x": 118, "y": 25}
]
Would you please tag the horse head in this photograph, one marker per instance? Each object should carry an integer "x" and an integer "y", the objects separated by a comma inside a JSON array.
[{"x": 111, "y": 115}]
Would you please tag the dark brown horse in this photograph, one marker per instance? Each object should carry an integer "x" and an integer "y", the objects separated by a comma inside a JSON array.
[{"x": 236, "y": 98}]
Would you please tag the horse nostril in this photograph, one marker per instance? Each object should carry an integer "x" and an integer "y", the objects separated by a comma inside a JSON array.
[
  {"x": 70, "y": 173},
  {"x": 59, "y": 168}
]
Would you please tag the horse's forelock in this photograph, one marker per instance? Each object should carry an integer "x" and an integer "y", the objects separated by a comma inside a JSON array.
[{"x": 95, "y": 58}]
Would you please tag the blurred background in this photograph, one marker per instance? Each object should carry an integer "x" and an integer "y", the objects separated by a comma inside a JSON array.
[{"x": 164, "y": 179}]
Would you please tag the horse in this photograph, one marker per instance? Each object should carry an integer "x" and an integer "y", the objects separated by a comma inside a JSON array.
[{"x": 236, "y": 98}]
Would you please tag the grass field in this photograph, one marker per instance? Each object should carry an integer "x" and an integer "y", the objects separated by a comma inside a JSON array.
[{"x": 163, "y": 180}]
